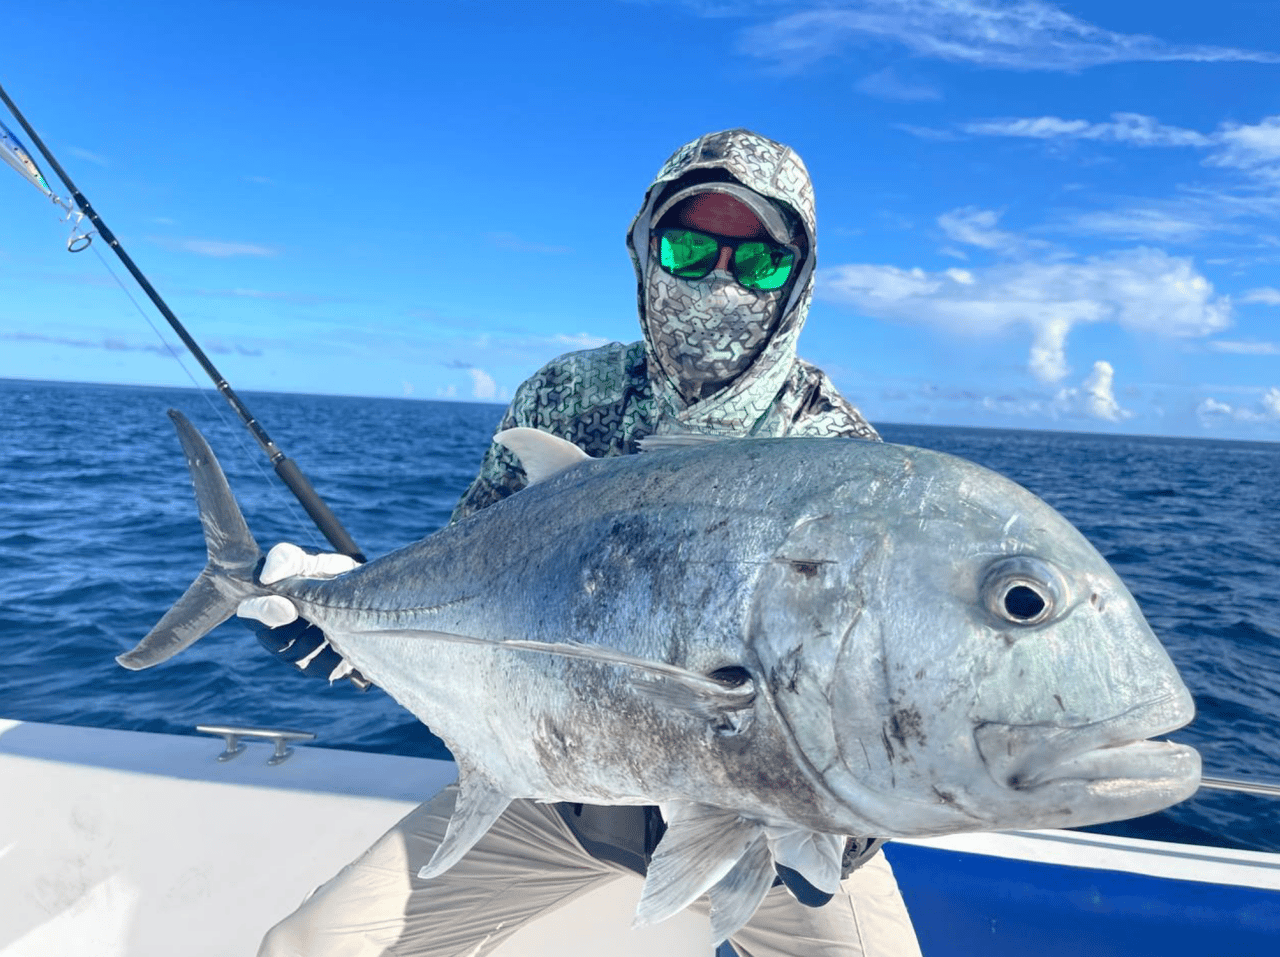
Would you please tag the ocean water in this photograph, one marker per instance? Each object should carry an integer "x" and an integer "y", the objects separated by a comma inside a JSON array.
[{"x": 99, "y": 535}]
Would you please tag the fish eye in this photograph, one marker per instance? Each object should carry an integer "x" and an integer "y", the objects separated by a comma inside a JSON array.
[
  {"x": 1024, "y": 603},
  {"x": 1023, "y": 590}
]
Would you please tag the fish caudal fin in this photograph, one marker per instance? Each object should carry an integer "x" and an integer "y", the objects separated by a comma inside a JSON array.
[{"x": 227, "y": 579}]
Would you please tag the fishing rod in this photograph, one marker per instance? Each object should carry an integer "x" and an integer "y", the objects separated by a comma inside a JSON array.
[
  {"x": 286, "y": 468},
  {"x": 1240, "y": 787}
]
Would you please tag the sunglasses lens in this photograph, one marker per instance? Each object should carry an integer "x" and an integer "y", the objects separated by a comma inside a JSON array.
[
  {"x": 687, "y": 254},
  {"x": 762, "y": 266}
]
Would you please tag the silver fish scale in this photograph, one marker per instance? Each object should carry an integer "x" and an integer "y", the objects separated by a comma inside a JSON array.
[{"x": 655, "y": 556}]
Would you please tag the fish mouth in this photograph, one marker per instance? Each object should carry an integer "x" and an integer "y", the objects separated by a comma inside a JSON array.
[
  {"x": 1115, "y": 755},
  {"x": 1143, "y": 760}
]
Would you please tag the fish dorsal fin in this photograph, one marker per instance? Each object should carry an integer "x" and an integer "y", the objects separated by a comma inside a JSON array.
[
  {"x": 678, "y": 440},
  {"x": 735, "y": 898},
  {"x": 701, "y": 846},
  {"x": 479, "y": 804},
  {"x": 542, "y": 454}
]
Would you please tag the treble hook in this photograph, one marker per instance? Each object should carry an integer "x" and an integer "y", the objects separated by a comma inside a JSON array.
[{"x": 78, "y": 241}]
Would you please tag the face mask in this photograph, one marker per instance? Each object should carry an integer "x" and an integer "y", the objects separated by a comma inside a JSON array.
[{"x": 706, "y": 332}]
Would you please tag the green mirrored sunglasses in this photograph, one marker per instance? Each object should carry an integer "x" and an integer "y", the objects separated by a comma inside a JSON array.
[{"x": 755, "y": 263}]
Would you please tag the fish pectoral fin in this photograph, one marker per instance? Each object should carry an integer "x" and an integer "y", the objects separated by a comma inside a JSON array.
[
  {"x": 817, "y": 857},
  {"x": 479, "y": 804},
  {"x": 726, "y": 708},
  {"x": 542, "y": 454},
  {"x": 737, "y": 895},
  {"x": 701, "y": 846}
]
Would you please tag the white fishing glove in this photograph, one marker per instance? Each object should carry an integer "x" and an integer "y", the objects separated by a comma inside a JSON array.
[
  {"x": 289, "y": 561},
  {"x": 302, "y": 644}
]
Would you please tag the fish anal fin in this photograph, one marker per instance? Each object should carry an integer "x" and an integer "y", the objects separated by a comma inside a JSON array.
[
  {"x": 542, "y": 454},
  {"x": 479, "y": 804},
  {"x": 702, "y": 844}
]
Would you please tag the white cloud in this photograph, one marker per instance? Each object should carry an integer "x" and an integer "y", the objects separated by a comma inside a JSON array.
[
  {"x": 1153, "y": 222},
  {"x": 972, "y": 226},
  {"x": 1096, "y": 395},
  {"x": 1048, "y": 359},
  {"x": 1268, "y": 409},
  {"x": 927, "y": 132},
  {"x": 1265, "y": 295},
  {"x": 975, "y": 227},
  {"x": 1100, "y": 400},
  {"x": 1145, "y": 291},
  {"x": 580, "y": 340},
  {"x": 1253, "y": 149},
  {"x": 1132, "y": 128},
  {"x": 447, "y": 392},
  {"x": 1212, "y": 407},
  {"x": 1018, "y": 35},
  {"x": 482, "y": 384},
  {"x": 889, "y": 84},
  {"x": 84, "y": 154},
  {"x": 216, "y": 248},
  {"x": 1271, "y": 403},
  {"x": 1243, "y": 347},
  {"x": 1247, "y": 147}
]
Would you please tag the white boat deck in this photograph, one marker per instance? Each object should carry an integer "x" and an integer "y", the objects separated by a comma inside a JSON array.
[{"x": 119, "y": 843}]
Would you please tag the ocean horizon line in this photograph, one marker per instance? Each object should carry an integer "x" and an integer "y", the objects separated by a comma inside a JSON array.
[{"x": 459, "y": 400}]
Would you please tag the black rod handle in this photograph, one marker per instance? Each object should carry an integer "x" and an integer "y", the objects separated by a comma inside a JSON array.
[{"x": 315, "y": 506}]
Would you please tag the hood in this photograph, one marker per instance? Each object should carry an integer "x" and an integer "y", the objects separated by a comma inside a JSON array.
[{"x": 776, "y": 172}]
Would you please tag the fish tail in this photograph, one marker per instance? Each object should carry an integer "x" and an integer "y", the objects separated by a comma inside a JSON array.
[{"x": 228, "y": 577}]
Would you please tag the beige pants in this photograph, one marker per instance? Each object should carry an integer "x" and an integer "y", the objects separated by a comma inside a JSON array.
[{"x": 528, "y": 865}]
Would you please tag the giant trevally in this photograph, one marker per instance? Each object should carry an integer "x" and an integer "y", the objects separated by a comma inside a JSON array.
[{"x": 779, "y": 641}]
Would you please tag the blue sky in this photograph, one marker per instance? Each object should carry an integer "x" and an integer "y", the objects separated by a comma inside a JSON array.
[{"x": 1031, "y": 214}]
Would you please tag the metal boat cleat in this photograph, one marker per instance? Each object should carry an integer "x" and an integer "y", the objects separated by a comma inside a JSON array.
[{"x": 234, "y": 746}]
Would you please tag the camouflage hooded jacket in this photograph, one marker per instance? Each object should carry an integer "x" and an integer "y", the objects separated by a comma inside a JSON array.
[{"x": 605, "y": 400}]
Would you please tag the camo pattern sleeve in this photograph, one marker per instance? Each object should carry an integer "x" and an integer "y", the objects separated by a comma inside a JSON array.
[
  {"x": 599, "y": 399},
  {"x": 817, "y": 409}
]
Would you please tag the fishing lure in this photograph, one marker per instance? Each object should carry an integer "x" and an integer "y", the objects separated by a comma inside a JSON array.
[{"x": 16, "y": 155}]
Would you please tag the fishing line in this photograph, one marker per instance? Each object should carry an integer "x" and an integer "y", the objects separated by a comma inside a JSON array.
[
  {"x": 15, "y": 155},
  {"x": 290, "y": 505}
]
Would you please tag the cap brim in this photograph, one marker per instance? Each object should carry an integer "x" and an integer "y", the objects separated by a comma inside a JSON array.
[{"x": 769, "y": 215}]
